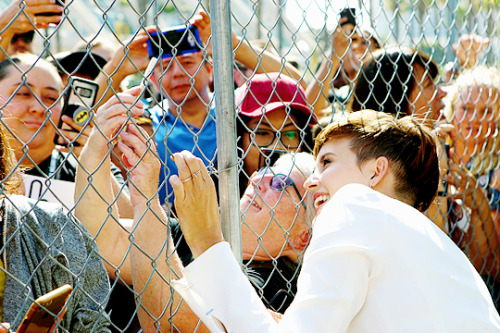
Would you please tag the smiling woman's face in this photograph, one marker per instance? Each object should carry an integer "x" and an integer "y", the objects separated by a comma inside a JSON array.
[
  {"x": 336, "y": 166},
  {"x": 272, "y": 220},
  {"x": 29, "y": 100}
]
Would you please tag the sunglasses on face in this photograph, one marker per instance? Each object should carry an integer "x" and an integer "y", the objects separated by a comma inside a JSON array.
[
  {"x": 280, "y": 182},
  {"x": 26, "y": 37}
]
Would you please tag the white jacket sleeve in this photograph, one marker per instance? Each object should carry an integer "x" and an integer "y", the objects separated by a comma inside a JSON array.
[
  {"x": 329, "y": 295},
  {"x": 218, "y": 292},
  {"x": 373, "y": 265},
  {"x": 342, "y": 258}
]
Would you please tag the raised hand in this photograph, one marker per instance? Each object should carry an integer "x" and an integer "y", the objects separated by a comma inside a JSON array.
[
  {"x": 139, "y": 156},
  {"x": 196, "y": 203},
  {"x": 23, "y": 16}
]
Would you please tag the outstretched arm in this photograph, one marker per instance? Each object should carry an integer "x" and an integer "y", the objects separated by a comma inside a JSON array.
[
  {"x": 317, "y": 91},
  {"x": 129, "y": 59},
  {"x": 153, "y": 258},
  {"x": 215, "y": 268},
  {"x": 96, "y": 207},
  {"x": 480, "y": 241},
  {"x": 21, "y": 16},
  {"x": 252, "y": 57}
]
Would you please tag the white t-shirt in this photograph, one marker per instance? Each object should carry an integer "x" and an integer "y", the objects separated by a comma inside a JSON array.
[{"x": 374, "y": 264}]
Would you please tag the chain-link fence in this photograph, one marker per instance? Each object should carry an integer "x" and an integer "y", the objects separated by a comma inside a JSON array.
[{"x": 245, "y": 86}]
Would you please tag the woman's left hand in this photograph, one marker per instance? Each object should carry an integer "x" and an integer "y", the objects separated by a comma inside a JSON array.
[{"x": 196, "y": 203}]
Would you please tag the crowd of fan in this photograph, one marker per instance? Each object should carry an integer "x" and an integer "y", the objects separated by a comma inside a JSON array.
[{"x": 120, "y": 245}]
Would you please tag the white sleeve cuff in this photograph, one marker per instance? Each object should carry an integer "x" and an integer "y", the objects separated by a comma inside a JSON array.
[{"x": 220, "y": 294}]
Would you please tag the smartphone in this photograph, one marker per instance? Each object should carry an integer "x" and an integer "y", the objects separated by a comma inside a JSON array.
[
  {"x": 42, "y": 314},
  {"x": 350, "y": 13},
  {"x": 58, "y": 2},
  {"x": 177, "y": 40},
  {"x": 79, "y": 99}
]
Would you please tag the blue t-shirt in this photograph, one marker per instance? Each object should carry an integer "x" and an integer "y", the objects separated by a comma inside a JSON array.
[{"x": 179, "y": 136}]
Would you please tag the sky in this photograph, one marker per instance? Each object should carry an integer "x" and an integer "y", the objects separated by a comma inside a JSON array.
[{"x": 315, "y": 11}]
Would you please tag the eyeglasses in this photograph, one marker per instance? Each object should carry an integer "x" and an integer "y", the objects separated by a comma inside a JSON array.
[
  {"x": 264, "y": 138},
  {"x": 26, "y": 37},
  {"x": 280, "y": 182}
]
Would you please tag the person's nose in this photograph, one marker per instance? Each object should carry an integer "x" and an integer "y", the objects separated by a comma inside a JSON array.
[
  {"x": 312, "y": 182},
  {"x": 257, "y": 181},
  {"x": 36, "y": 106},
  {"x": 177, "y": 69}
]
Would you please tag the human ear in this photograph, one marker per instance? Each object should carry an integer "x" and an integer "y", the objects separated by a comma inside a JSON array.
[
  {"x": 381, "y": 168},
  {"x": 301, "y": 240}
]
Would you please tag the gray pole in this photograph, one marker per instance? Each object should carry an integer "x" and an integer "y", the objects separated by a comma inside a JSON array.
[
  {"x": 226, "y": 123},
  {"x": 142, "y": 6},
  {"x": 452, "y": 11},
  {"x": 281, "y": 4},
  {"x": 259, "y": 19}
]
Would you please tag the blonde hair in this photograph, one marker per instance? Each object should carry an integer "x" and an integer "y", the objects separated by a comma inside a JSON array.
[
  {"x": 11, "y": 180},
  {"x": 485, "y": 158},
  {"x": 305, "y": 164}
]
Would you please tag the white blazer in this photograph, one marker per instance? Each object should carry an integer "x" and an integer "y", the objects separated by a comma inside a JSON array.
[{"x": 374, "y": 264}]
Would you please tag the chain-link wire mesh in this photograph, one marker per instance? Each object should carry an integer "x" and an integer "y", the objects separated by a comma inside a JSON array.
[{"x": 296, "y": 66}]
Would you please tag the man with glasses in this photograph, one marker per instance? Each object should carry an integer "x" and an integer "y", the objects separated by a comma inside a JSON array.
[
  {"x": 21, "y": 43},
  {"x": 276, "y": 217}
]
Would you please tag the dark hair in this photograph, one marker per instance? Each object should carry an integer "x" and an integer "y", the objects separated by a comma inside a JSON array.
[
  {"x": 386, "y": 80},
  {"x": 6, "y": 65},
  {"x": 408, "y": 145}
]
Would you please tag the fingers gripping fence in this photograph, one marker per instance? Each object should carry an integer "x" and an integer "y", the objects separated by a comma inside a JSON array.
[{"x": 245, "y": 90}]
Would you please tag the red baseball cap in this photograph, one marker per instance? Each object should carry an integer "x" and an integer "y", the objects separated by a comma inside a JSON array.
[{"x": 268, "y": 92}]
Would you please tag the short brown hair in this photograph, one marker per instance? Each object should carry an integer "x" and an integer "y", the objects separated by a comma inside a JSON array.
[{"x": 408, "y": 145}]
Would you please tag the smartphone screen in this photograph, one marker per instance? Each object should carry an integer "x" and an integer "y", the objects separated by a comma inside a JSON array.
[
  {"x": 79, "y": 99},
  {"x": 176, "y": 41}
]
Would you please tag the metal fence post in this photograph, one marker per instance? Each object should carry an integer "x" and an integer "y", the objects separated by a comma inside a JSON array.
[{"x": 226, "y": 123}]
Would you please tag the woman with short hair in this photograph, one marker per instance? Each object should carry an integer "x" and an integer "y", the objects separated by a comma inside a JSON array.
[{"x": 375, "y": 262}]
